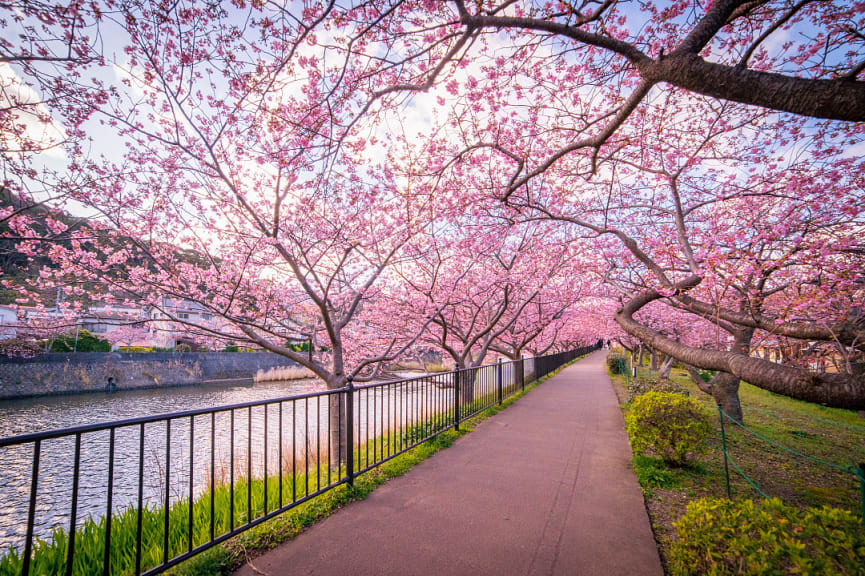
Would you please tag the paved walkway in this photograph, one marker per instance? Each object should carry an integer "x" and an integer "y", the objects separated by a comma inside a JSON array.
[{"x": 545, "y": 487}]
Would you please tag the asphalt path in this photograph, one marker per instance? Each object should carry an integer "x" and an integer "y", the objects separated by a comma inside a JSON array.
[{"x": 542, "y": 488}]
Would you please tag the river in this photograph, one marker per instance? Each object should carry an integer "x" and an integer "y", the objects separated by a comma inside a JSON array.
[{"x": 244, "y": 441}]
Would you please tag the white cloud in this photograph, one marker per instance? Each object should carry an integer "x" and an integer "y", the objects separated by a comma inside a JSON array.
[{"x": 29, "y": 112}]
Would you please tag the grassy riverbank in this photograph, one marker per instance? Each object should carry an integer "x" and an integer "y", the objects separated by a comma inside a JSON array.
[
  {"x": 49, "y": 557},
  {"x": 829, "y": 434}
]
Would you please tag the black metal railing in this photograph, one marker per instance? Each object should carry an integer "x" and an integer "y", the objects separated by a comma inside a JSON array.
[{"x": 138, "y": 496}]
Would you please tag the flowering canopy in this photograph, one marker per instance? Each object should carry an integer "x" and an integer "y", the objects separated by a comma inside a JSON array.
[{"x": 375, "y": 176}]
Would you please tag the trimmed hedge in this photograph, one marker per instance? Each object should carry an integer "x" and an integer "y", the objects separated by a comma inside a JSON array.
[
  {"x": 616, "y": 363},
  {"x": 671, "y": 426},
  {"x": 719, "y": 536}
]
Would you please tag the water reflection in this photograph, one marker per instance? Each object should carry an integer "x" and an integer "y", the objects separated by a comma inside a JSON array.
[
  {"x": 57, "y": 456},
  {"x": 189, "y": 452}
]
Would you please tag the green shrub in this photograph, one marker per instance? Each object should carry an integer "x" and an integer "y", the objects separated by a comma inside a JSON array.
[
  {"x": 707, "y": 375},
  {"x": 298, "y": 346},
  {"x": 668, "y": 425},
  {"x": 718, "y": 536},
  {"x": 638, "y": 387},
  {"x": 86, "y": 342},
  {"x": 617, "y": 363},
  {"x": 135, "y": 349}
]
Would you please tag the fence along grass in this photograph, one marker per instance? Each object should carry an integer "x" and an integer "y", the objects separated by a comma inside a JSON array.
[
  {"x": 49, "y": 557},
  {"x": 762, "y": 457},
  {"x": 857, "y": 470},
  {"x": 149, "y": 538}
]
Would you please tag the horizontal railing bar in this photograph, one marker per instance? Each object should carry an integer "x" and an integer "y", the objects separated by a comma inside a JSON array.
[
  {"x": 100, "y": 426},
  {"x": 399, "y": 381},
  {"x": 431, "y": 375}
]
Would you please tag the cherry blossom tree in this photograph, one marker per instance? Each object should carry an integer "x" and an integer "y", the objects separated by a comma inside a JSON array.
[
  {"x": 484, "y": 283},
  {"x": 671, "y": 188},
  {"x": 238, "y": 192},
  {"x": 45, "y": 51},
  {"x": 647, "y": 128}
]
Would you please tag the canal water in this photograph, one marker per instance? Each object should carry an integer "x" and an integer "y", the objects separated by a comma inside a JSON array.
[
  {"x": 28, "y": 415},
  {"x": 236, "y": 437}
]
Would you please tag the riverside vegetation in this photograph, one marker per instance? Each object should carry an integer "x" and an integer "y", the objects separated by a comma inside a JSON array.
[
  {"x": 49, "y": 557},
  {"x": 813, "y": 524},
  {"x": 281, "y": 373}
]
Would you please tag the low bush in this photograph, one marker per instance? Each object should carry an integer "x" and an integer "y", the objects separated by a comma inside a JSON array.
[
  {"x": 671, "y": 426},
  {"x": 719, "y": 536},
  {"x": 85, "y": 342},
  {"x": 706, "y": 375},
  {"x": 616, "y": 363},
  {"x": 135, "y": 349},
  {"x": 639, "y": 386}
]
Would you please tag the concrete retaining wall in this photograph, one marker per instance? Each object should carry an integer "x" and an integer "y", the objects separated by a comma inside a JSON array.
[{"x": 91, "y": 371}]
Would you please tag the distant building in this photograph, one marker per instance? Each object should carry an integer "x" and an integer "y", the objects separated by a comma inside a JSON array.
[
  {"x": 167, "y": 321},
  {"x": 8, "y": 322},
  {"x": 102, "y": 319},
  {"x": 174, "y": 321}
]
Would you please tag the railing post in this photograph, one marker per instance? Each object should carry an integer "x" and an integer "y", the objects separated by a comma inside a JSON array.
[
  {"x": 499, "y": 380},
  {"x": 522, "y": 373},
  {"x": 456, "y": 399},
  {"x": 862, "y": 485},
  {"x": 349, "y": 432},
  {"x": 724, "y": 449}
]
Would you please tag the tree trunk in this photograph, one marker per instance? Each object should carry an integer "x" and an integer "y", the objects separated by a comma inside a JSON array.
[
  {"x": 666, "y": 366},
  {"x": 338, "y": 427},
  {"x": 642, "y": 349},
  {"x": 726, "y": 394},
  {"x": 337, "y": 409},
  {"x": 818, "y": 98},
  {"x": 653, "y": 365},
  {"x": 467, "y": 385}
]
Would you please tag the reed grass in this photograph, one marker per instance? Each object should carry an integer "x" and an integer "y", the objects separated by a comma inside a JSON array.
[
  {"x": 418, "y": 366},
  {"x": 283, "y": 373}
]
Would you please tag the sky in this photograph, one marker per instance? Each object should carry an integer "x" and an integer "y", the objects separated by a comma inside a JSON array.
[{"x": 421, "y": 112}]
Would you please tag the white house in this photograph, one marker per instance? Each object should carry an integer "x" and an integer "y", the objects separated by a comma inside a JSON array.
[
  {"x": 168, "y": 320},
  {"x": 8, "y": 322}
]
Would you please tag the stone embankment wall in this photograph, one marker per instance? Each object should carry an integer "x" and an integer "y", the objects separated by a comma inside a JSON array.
[
  {"x": 529, "y": 369},
  {"x": 95, "y": 371}
]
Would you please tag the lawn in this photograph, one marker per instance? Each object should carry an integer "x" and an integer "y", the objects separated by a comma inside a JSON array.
[{"x": 830, "y": 434}]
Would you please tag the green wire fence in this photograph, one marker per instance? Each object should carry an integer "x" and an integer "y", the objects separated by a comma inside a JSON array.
[{"x": 856, "y": 470}]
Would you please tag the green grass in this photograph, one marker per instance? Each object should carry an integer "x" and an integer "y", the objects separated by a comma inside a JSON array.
[
  {"x": 49, "y": 557},
  {"x": 653, "y": 473},
  {"x": 830, "y": 434}
]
